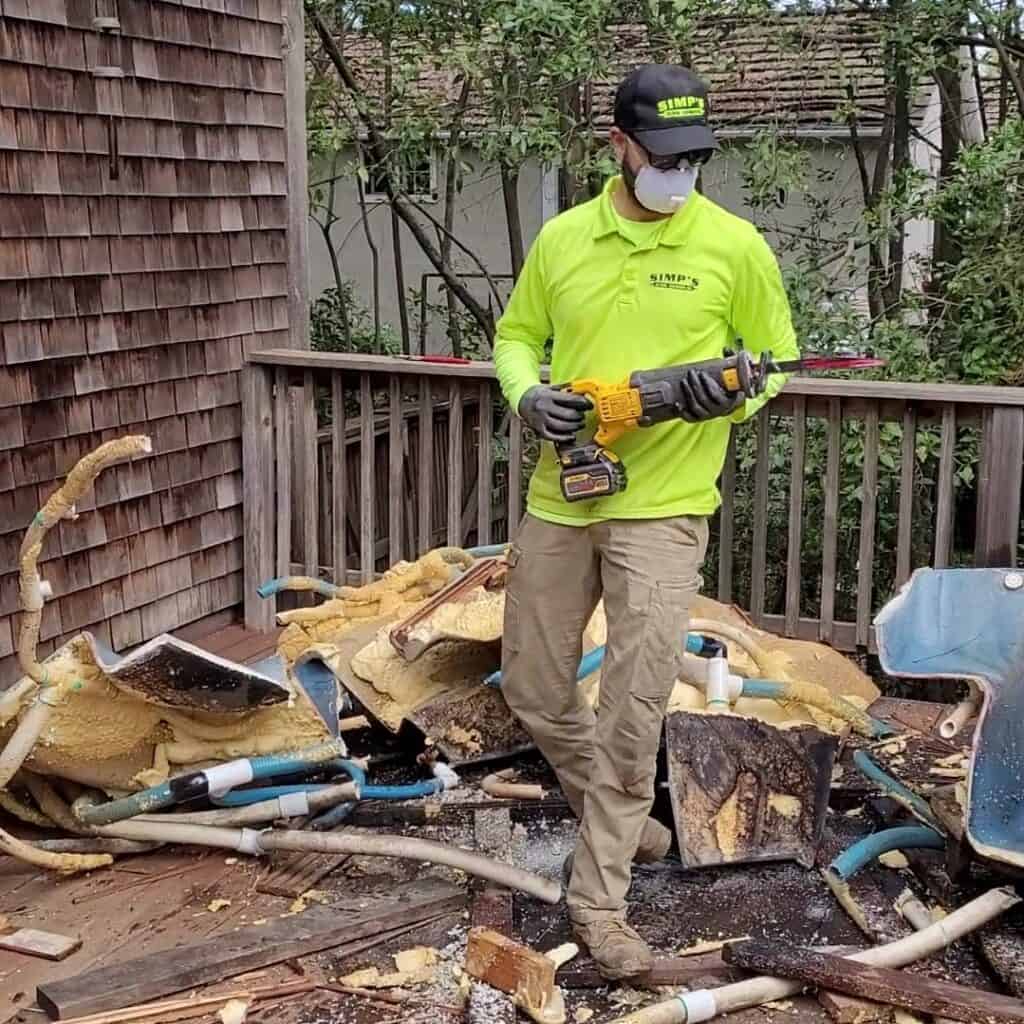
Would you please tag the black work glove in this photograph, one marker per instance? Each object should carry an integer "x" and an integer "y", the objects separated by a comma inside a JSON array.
[
  {"x": 704, "y": 397},
  {"x": 554, "y": 415}
]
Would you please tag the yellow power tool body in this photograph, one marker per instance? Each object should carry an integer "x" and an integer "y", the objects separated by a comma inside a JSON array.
[{"x": 648, "y": 397}]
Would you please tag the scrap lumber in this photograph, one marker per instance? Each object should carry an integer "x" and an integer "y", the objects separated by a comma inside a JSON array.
[
  {"x": 177, "y": 1009},
  {"x": 669, "y": 971},
  {"x": 847, "y": 1010},
  {"x": 487, "y": 572},
  {"x": 319, "y": 928},
  {"x": 292, "y": 874},
  {"x": 880, "y": 984},
  {"x": 525, "y": 974},
  {"x": 47, "y": 945}
]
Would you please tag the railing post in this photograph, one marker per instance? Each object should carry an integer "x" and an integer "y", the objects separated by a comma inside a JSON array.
[
  {"x": 999, "y": 484},
  {"x": 258, "y": 492}
]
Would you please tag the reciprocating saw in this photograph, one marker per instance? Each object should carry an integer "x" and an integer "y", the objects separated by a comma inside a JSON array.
[{"x": 647, "y": 397}]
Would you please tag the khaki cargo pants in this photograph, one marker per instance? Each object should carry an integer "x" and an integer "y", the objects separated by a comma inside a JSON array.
[{"x": 648, "y": 572}]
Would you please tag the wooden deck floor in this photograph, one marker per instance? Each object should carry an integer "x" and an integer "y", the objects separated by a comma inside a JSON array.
[{"x": 228, "y": 638}]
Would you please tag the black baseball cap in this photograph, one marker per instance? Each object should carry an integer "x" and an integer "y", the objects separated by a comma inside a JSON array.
[{"x": 665, "y": 108}]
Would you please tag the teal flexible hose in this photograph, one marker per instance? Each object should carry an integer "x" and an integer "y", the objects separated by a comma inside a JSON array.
[
  {"x": 211, "y": 782},
  {"x": 863, "y": 852},
  {"x": 275, "y": 586},
  {"x": 917, "y": 805}
]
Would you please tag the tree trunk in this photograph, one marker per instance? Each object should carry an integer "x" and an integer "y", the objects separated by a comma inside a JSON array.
[
  {"x": 510, "y": 193},
  {"x": 445, "y": 238},
  {"x": 869, "y": 190},
  {"x": 946, "y": 250},
  {"x": 403, "y": 309},
  {"x": 901, "y": 166},
  {"x": 377, "y": 146},
  {"x": 374, "y": 262}
]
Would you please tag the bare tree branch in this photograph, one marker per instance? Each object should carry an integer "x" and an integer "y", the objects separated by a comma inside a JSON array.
[{"x": 399, "y": 201}]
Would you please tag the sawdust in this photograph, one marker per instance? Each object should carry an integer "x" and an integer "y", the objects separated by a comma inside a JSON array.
[
  {"x": 786, "y": 805},
  {"x": 726, "y": 824}
]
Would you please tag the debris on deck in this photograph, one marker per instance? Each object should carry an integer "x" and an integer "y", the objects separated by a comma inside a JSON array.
[{"x": 814, "y": 820}]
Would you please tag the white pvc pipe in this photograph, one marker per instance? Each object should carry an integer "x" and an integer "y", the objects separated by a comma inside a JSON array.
[
  {"x": 734, "y": 635},
  {"x": 264, "y": 810},
  {"x": 20, "y": 745},
  {"x": 12, "y": 699},
  {"x": 248, "y": 841},
  {"x": 706, "y": 1004},
  {"x": 962, "y": 713}
]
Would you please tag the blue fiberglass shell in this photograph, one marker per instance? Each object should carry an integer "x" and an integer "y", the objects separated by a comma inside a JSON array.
[{"x": 969, "y": 624}]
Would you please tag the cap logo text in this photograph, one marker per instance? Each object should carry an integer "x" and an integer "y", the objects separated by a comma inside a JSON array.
[{"x": 681, "y": 107}]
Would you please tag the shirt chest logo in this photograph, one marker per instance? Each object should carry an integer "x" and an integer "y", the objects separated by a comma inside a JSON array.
[{"x": 674, "y": 282}]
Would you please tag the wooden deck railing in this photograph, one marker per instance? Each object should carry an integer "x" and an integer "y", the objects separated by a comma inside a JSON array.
[{"x": 352, "y": 463}]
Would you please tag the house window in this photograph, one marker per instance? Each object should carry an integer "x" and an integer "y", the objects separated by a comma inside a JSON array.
[{"x": 417, "y": 178}]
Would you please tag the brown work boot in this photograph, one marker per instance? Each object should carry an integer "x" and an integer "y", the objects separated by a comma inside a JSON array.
[{"x": 617, "y": 949}]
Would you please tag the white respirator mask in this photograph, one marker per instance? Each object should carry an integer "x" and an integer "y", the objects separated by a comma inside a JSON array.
[{"x": 664, "y": 191}]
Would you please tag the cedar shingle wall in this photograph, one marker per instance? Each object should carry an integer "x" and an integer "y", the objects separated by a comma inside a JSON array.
[{"x": 142, "y": 252}]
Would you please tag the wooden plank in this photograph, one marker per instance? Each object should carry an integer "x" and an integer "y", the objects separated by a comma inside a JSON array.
[
  {"x": 339, "y": 477},
  {"x": 425, "y": 469},
  {"x": 830, "y": 540},
  {"x": 727, "y": 523},
  {"x": 297, "y": 263},
  {"x": 680, "y": 970},
  {"x": 796, "y": 508},
  {"x": 847, "y": 1010},
  {"x": 515, "y": 474},
  {"x": 999, "y": 487},
  {"x": 484, "y": 465},
  {"x": 310, "y": 486},
  {"x": 914, "y": 992},
  {"x": 46, "y": 945},
  {"x": 944, "y": 497},
  {"x": 758, "y": 563},
  {"x": 296, "y": 873},
  {"x": 283, "y": 466},
  {"x": 367, "y": 454},
  {"x": 868, "y": 511},
  {"x": 510, "y": 967},
  {"x": 455, "y": 463},
  {"x": 248, "y": 949},
  {"x": 258, "y": 510},
  {"x": 908, "y": 460},
  {"x": 396, "y": 499}
]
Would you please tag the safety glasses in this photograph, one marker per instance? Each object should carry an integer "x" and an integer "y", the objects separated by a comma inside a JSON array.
[{"x": 674, "y": 160}]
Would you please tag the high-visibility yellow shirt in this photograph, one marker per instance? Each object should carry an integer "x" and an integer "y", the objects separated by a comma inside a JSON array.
[{"x": 614, "y": 297}]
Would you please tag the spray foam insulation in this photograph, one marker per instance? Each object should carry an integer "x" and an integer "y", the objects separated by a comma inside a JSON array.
[{"x": 100, "y": 735}]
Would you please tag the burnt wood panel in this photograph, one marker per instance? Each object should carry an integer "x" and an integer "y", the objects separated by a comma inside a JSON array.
[{"x": 143, "y": 255}]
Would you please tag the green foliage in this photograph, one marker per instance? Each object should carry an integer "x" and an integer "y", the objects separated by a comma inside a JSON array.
[{"x": 327, "y": 325}]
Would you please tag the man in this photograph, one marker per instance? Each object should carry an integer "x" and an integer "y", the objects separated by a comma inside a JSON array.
[{"x": 649, "y": 274}]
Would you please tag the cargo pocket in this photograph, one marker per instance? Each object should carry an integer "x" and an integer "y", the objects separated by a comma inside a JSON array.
[{"x": 658, "y": 662}]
